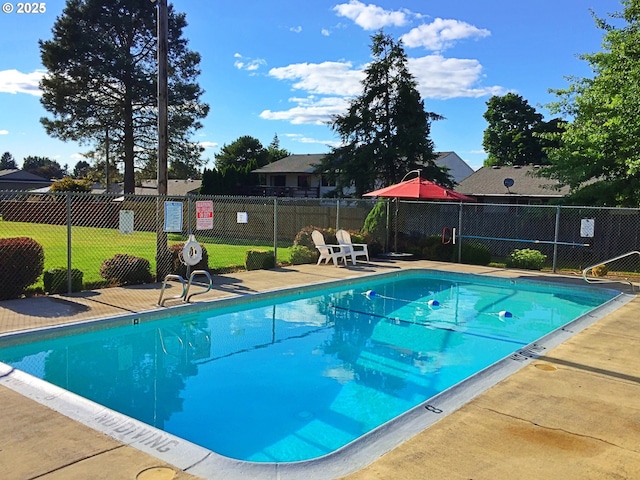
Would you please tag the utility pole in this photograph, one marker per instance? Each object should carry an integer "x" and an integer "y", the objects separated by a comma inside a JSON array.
[{"x": 163, "y": 261}]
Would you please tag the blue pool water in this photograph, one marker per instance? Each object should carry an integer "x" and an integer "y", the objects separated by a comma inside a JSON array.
[{"x": 299, "y": 376}]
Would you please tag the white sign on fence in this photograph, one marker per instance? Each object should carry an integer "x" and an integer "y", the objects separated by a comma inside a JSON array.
[
  {"x": 242, "y": 217},
  {"x": 172, "y": 216},
  {"x": 204, "y": 215},
  {"x": 587, "y": 227},
  {"x": 126, "y": 221}
]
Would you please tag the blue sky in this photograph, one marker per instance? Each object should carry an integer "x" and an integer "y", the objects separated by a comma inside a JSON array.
[{"x": 285, "y": 67}]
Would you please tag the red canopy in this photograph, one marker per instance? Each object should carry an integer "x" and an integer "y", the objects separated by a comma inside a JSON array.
[{"x": 419, "y": 188}]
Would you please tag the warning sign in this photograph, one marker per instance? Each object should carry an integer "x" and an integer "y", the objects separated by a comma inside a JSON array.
[{"x": 204, "y": 215}]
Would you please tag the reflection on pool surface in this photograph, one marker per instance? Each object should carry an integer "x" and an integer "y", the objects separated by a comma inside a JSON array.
[{"x": 299, "y": 376}]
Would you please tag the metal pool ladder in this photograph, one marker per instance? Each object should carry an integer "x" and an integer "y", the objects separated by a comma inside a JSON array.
[
  {"x": 185, "y": 287},
  {"x": 590, "y": 267}
]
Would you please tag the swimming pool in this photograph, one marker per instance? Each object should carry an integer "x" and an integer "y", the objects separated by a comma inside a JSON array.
[{"x": 289, "y": 378}]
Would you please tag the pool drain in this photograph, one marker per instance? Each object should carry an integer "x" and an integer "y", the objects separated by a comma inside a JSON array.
[{"x": 156, "y": 473}]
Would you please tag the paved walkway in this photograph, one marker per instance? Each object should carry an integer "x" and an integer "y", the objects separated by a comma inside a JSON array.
[{"x": 572, "y": 414}]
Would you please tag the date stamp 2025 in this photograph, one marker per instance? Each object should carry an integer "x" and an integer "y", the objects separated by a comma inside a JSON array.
[{"x": 24, "y": 8}]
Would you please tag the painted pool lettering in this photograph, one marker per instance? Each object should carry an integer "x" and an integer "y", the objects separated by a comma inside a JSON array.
[{"x": 145, "y": 436}]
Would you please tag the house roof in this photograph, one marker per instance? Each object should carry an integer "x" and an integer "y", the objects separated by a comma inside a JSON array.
[
  {"x": 15, "y": 175},
  {"x": 174, "y": 187},
  {"x": 293, "y": 164},
  {"x": 490, "y": 181},
  {"x": 306, "y": 164}
]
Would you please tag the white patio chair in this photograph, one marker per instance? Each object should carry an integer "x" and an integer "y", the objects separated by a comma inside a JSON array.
[
  {"x": 327, "y": 252},
  {"x": 352, "y": 249}
]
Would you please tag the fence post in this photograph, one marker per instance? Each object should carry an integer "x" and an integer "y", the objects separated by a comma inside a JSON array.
[
  {"x": 275, "y": 231},
  {"x": 555, "y": 239},
  {"x": 459, "y": 232},
  {"x": 69, "y": 286}
]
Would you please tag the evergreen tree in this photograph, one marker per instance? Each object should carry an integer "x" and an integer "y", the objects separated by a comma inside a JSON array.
[
  {"x": 101, "y": 76},
  {"x": 274, "y": 151},
  {"x": 43, "y": 167},
  {"x": 7, "y": 162},
  {"x": 385, "y": 132}
]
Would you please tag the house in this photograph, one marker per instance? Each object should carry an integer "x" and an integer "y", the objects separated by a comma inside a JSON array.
[
  {"x": 293, "y": 176},
  {"x": 513, "y": 185},
  {"x": 15, "y": 179},
  {"x": 458, "y": 168},
  {"x": 179, "y": 188},
  {"x": 296, "y": 176}
]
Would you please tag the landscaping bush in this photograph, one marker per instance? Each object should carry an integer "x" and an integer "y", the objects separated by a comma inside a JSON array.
[
  {"x": 126, "y": 269},
  {"x": 301, "y": 254},
  {"x": 21, "y": 264},
  {"x": 303, "y": 237},
  {"x": 179, "y": 268},
  {"x": 55, "y": 280},
  {"x": 475, "y": 254},
  {"x": 526, "y": 258},
  {"x": 259, "y": 260},
  {"x": 432, "y": 248}
]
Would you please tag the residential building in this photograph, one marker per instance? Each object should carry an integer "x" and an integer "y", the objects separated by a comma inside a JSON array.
[
  {"x": 20, "y": 180},
  {"x": 513, "y": 185}
]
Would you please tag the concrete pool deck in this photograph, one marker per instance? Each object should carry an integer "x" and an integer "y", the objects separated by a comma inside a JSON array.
[{"x": 573, "y": 413}]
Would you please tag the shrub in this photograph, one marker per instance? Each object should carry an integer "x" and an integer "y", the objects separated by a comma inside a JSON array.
[
  {"x": 476, "y": 254},
  {"x": 303, "y": 237},
  {"x": 600, "y": 271},
  {"x": 259, "y": 260},
  {"x": 126, "y": 270},
  {"x": 526, "y": 258},
  {"x": 179, "y": 268},
  {"x": 375, "y": 223},
  {"x": 21, "y": 264},
  {"x": 301, "y": 254},
  {"x": 55, "y": 280},
  {"x": 432, "y": 248},
  {"x": 68, "y": 184}
]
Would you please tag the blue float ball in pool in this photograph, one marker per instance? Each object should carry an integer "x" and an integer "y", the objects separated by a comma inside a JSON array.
[
  {"x": 370, "y": 293},
  {"x": 505, "y": 314},
  {"x": 433, "y": 303}
]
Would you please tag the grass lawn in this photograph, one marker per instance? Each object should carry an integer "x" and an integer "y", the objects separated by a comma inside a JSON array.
[{"x": 91, "y": 246}]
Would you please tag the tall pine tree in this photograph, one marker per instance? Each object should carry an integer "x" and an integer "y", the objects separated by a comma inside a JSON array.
[
  {"x": 101, "y": 78},
  {"x": 385, "y": 132}
]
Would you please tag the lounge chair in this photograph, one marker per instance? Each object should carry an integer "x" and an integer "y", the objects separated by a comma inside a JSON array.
[
  {"x": 352, "y": 249},
  {"x": 328, "y": 252}
]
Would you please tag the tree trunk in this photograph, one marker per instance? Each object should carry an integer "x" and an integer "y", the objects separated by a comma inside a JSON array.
[{"x": 129, "y": 164}]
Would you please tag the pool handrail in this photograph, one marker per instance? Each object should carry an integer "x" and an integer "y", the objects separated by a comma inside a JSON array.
[
  {"x": 171, "y": 276},
  {"x": 187, "y": 297},
  {"x": 604, "y": 262}
]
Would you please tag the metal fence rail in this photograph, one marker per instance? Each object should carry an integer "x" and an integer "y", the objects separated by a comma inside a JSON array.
[{"x": 105, "y": 236}]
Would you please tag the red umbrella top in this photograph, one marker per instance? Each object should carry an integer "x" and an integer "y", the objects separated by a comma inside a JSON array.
[{"x": 419, "y": 188}]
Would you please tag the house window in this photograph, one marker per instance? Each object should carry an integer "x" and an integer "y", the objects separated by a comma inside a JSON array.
[
  {"x": 328, "y": 183},
  {"x": 279, "y": 181},
  {"x": 303, "y": 181}
]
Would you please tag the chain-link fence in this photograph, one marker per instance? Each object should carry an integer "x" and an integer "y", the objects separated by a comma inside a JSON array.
[{"x": 88, "y": 241}]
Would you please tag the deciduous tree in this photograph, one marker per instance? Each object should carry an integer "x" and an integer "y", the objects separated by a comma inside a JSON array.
[
  {"x": 101, "y": 76},
  {"x": 386, "y": 131},
  {"x": 515, "y": 134},
  {"x": 43, "y": 167},
  {"x": 599, "y": 151}
]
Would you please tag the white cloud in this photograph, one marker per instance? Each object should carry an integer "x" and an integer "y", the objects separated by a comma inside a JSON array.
[
  {"x": 441, "y": 34},
  {"x": 327, "y": 78},
  {"x": 77, "y": 156},
  {"x": 309, "y": 110},
  {"x": 443, "y": 78},
  {"x": 4, "y": 132},
  {"x": 248, "y": 64},
  {"x": 325, "y": 32},
  {"x": 297, "y": 29},
  {"x": 208, "y": 144},
  {"x": 296, "y": 137},
  {"x": 371, "y": 17},
  {"x": 13, "y": 81}
]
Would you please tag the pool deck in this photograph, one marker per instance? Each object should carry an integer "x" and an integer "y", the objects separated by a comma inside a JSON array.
[{"x": 573, "y": 413}]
